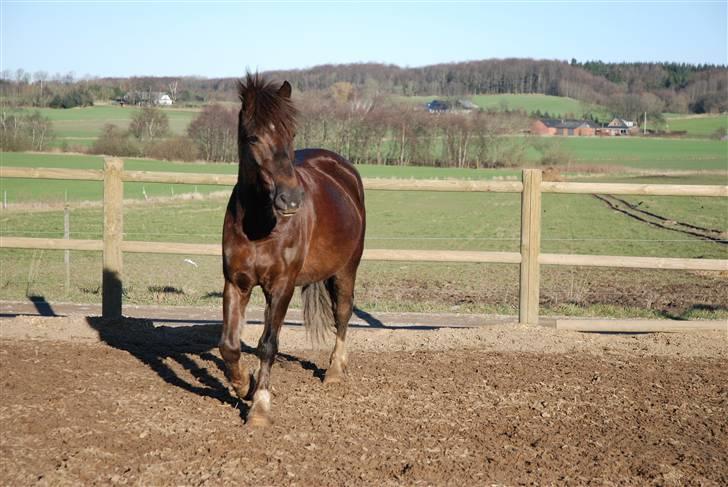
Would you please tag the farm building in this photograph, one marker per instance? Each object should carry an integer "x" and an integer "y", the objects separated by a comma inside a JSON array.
[
  {"x": 551, "y": 126},
  {"x": 164, "y": 100},
  {"x": 620, "y": 126},
  {"x": 437, "y": 106},
  {"x": 146, "y": 98}
]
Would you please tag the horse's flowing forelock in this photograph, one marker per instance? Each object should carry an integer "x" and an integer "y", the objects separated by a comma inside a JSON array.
[{"x": 262, "y": 105}]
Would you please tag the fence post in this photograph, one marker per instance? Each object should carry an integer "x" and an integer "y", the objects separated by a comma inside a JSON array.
[
  {"x": 66, "y": 236},
  {"x": 113, "y": 235},
  {"x": 530, "y": 246}
]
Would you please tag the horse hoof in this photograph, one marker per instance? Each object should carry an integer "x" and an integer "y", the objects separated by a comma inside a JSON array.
[
  {"x": 333, "y": 377},
  {"x": 258, "y": 420},
  {"x": 244, "y": 390}
]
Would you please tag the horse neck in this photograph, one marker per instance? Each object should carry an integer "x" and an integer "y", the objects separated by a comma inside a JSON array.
[
  {"x": 257, "y": 215},
  {"x": 248, "y": 173}
]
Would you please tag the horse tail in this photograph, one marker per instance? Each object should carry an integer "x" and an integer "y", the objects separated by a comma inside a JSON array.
[{"x": 318, "y": 311}]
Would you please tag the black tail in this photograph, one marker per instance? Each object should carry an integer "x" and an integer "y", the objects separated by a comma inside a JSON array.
[{"x": 318, "y": 311}]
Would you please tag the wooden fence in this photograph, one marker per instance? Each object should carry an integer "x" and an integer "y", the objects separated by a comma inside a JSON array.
[{"x": 530, "y": 258}]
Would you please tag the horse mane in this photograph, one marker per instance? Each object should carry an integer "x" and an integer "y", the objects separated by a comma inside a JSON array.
[{"x": 262, "y": 105}]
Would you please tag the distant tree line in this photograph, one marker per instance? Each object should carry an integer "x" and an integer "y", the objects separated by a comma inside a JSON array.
[
  {"x": 379, "y": 132},
  {"x": 678, "y": 87},
  {"x": 374, "y": 132}
]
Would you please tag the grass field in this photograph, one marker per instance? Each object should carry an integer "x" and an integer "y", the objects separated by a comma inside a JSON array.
[
  {"x": 28, "y": 190},
  {"x": 554, "y": 105},
  {"x": 626, "y": 152},
  {"x": 646, "y": 153},
  {"x": 697, "y": 125},
  {"x": 81, "y": 126},
  {"x": 398, "y": 220},
  {"x": 423, "y": 220}
]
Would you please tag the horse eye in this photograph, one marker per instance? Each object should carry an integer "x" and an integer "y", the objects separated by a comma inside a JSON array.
[{"x": 252, "y": 139}]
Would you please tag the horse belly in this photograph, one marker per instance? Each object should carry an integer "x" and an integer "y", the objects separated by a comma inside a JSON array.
[{"x": 337, "y": 241}]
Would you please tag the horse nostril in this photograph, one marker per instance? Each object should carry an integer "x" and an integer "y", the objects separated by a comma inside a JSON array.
[{"x": 288, "y": 201}]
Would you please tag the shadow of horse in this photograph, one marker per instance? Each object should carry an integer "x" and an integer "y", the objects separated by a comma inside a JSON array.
[{"x": 155, "y": 346}]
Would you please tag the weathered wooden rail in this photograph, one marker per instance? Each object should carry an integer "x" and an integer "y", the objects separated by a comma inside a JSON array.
[{"x": 530, "y": 258}]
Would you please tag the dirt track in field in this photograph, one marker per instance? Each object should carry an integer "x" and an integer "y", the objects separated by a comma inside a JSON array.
[
  {"x": 633, "y": 211},
  {"x": 143, "y": 404}
]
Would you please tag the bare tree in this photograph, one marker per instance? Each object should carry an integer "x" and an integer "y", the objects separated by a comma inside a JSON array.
[
  {"x": 173, "y": 90},
  {"x": 149, "y": 123},
  {"x": 215, "y": 132},
  {"x": 40, "y": 77}
]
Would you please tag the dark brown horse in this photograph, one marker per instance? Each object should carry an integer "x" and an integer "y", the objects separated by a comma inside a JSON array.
[{"x": 294, "y": 219}]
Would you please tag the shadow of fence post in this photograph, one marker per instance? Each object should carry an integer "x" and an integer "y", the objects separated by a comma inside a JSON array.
[{"x": 113, "y": 236}]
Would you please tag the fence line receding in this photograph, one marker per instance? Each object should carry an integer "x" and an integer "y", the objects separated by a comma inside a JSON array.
[{"x": 529, "y": 257}]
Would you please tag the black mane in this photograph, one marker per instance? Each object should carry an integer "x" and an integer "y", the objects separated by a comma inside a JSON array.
[{"x": 263, "y": 105}]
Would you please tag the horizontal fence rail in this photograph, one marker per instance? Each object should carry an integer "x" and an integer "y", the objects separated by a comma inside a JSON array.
[
  {"x": 179, "y": 178},
  {"x": 626, "y": 261},
  {"x": 531, "y": 188},
  {"x": 383, "y": 184},
  {"x": 51, "y": 173},
  {"x": 576, "y": 260},
  {"x": 635, "y": 189},
  {"x": 50, "y": 243}
]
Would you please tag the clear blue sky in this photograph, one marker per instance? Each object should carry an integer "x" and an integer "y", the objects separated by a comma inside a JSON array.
[{"x": 224, "y": 39}]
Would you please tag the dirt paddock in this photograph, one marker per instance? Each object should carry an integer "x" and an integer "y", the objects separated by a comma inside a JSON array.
[{"x": 136, "y": 402}]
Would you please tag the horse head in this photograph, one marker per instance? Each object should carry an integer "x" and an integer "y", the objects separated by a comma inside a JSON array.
[{"x": 266, "y": 129}]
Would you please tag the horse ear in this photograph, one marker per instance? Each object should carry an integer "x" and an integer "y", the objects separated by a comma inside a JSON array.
[{"x": 285, "y": 90}]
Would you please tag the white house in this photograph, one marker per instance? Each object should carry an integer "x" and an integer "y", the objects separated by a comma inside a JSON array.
[
  {"x": 620, "y": 126},
  {"x": 164, "y": 99}
]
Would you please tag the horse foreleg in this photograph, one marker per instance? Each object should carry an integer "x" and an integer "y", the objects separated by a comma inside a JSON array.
[
  {"x": 343, "y": 299},
  {"x": 234, "y": 301},
  {"x": 277, "y": 302}
]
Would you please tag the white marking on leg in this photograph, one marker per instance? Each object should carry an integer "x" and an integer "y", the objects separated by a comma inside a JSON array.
[
  {"x": 261, "y": 399},
  {"x": 338, "y": 356},
  {"x": 340, "y": 351}
]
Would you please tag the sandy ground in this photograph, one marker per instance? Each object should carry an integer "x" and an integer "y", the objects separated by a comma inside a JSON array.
[{"x": 136, "y": 402}]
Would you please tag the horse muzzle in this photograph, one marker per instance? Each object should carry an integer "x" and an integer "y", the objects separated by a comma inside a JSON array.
[{"x": 288, "y": 201}]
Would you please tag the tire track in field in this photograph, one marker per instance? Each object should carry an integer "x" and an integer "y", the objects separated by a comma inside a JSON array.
[{"x": 633, "y": 211}]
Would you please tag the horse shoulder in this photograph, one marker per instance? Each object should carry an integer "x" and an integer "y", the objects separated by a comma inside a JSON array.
[{"x": 328, "y": 168}]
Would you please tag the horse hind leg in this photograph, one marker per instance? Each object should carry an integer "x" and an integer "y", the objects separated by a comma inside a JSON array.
[{"x": 342, "y": 296}]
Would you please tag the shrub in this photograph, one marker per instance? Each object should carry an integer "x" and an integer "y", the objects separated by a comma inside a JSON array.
[
  {"x": 150, "y": 123},
  {"x": 215, "y": 133},
  {"x": 113, "y": 141},
  {"x": 175, "y": 149},
  {"x": 719, "y": 133},
  {"x": 74, "y": 98},
  {"x": 553, "y": 153},
  {"x": 19, "y": 132}
]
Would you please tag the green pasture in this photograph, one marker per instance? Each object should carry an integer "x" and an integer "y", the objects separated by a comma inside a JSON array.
[
  {"x": 697, "y": 125},
  {"x": 424, "y": 220},
  {"x": 554, "y": 105},
  {"x": 709, "y": 213},
  {"x": 54, "y": 191},
  {"x": 81, "y": 126},
  {"x": 396, "y": 220},
  {"x": 644, "y": 153},
  {"x": 49, "y": 191},
  {"x": 641, "y": 153}
]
